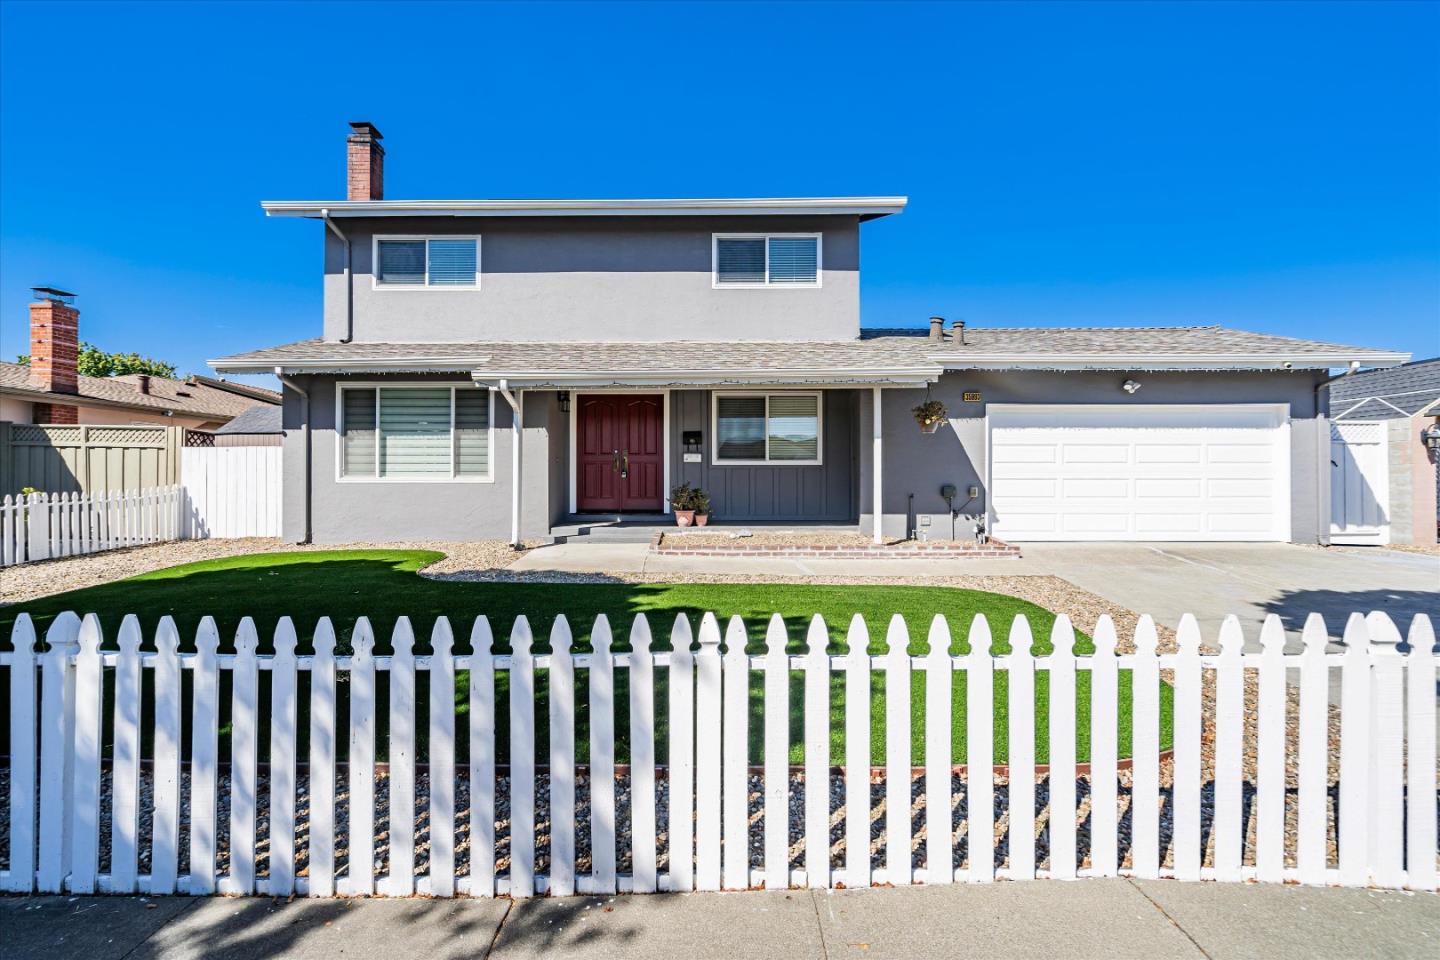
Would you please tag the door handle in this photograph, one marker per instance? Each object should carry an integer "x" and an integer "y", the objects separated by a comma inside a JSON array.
[
  {"x": 615, "y": 461},
  {"x": 625, "y": 464}
]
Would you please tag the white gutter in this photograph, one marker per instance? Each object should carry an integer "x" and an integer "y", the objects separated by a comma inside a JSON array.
[
  {"x": 847, "y": 206},
  {"x": 349, "y": 280},
  {"x": 319, "y": 365},
  {"x": 517, "y": 437},
  {"x": 304, "y": 437},
  {"x": 1153, "y": 361}
]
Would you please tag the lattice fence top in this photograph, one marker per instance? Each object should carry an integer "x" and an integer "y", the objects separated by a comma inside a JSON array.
[
  {"x": 24, "y": 433},
  {"x": 127, "y": 436}
]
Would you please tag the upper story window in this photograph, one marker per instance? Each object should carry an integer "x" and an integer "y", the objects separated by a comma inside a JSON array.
[
  {"x": 767, "y": 260},
  {"x": 427, "y": 262}
]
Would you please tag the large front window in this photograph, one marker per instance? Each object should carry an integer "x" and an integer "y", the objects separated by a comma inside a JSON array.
[
  {"x": 415, "y": 433},
  {"x": 767, "y": 428}
]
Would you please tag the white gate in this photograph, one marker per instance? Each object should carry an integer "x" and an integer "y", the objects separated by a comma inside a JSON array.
[
  {"x": 1359, "y": 483},
  {"x": 231, "y": 491}
]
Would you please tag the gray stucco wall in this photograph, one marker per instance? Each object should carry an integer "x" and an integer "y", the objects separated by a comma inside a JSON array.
[
  {"x": 918, "y": 463},
  {"x": 827, "y": 492},
  {"x": 596, "y": 278},
  {"x": 384, "y": 511}
]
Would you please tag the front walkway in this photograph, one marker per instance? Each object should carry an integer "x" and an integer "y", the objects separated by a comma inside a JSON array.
[{"x": 1052, "y": 919}]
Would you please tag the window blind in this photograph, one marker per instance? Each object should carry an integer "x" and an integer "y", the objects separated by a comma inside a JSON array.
[
  {"x": 358, "y": 448},
  {"x": 740, "y": 428},
  {"x": 415, "y": 432},
  {"x": 793, "y": 430},
  {"x": 472, "y": 433},
  {"x": 452, "y": 262},
  {"x": 740, "y": 260},
  {"x": 793, "y": 259},
  {"x": 402, "y": 261}
]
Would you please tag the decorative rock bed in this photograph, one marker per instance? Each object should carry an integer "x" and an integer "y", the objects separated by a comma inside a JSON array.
[{"x": 822, "y": 546}]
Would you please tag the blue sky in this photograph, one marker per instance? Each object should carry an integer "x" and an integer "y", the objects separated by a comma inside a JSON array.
[{"x": 1274, "y": 167}]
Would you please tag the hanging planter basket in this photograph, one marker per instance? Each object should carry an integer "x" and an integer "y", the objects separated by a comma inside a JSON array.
[
  {"x": 929, "y": 415},
  {"x": 929, "y": 426}
]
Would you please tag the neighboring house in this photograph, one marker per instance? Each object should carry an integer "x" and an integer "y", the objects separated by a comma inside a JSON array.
[
  {"x": 50, "y": 389},
  {"x": 491, "y": 367},
  {"x": 257, "y": 427},
  {"x": 1385, "y": 486}
]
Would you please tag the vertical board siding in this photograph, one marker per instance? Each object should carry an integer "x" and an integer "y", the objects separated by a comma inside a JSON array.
[
  {"x": 231, "y": 491},
  {"x": 1384, "y": 828}
]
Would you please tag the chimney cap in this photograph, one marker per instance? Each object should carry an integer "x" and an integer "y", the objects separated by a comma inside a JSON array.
[
  {"x": 53, "y": 293},
  {"x": 364, "y": 128}
]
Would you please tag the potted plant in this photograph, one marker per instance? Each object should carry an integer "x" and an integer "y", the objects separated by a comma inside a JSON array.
[
  {"x": 700, "y": 501},
  {"x": 682, "y": 504},
  {"x": 929, "y": 415}
]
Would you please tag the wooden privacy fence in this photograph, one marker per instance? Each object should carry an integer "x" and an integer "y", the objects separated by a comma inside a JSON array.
[
  {"x": 88, "y": 458},
  {"x": 231, "y": 491},
  {"x": 43, "y": 526},
  {"x": 689, "y": 824}
]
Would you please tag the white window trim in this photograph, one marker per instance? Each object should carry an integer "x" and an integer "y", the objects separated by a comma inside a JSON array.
[
  {"x": 716, "y": 461},
  {"x": 340, "y": 388},
  {"x": 715, "y": 283},
  {"x": 375, "y": 283}
]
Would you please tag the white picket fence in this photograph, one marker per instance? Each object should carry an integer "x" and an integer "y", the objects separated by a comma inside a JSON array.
[
  {"x": 43, "y": 526},
  {"x": 231, "y": 491},
  {"x": 1383, "y": 818}
]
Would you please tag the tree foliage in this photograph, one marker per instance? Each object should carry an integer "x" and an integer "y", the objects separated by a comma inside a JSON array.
[{"x": 94, "y": 362}]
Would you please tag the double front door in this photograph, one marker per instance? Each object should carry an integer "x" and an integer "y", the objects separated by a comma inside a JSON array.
[{"x": 620, "y": 451}]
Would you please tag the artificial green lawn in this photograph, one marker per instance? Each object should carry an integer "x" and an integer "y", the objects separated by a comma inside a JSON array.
[{"x": 383, "y": 585}]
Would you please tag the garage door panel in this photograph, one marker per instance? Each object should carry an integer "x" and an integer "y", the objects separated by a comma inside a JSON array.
[{"x": 1138, "y": 473}]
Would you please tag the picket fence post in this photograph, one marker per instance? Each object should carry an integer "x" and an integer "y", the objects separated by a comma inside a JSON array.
[
  {"x": 1270, "y": 755},
  {"x": 708, "y": 720},
  {"x": 284, "y": 727},
  {"x": 1355, "y": 746},
  {"x": 602, "y": 756},
  {"x": 244, "y": 758},
  {"x": 1313, "y": 754},
  {"x": 898, "y": 857},
  {"x": 1186, "y": 788},
  {"x": 1229, "y": 750},
  {"x": 1021, "y": 693},
  {"x": 23, "y": 755},
  {"x": 522, "y": 760},
  {"x": 682, "y": 756},
  {"x": 980, "y": 751},
  {"x": 1420, "y": 782},
  {"x": 1062, "y": 749},
  {"x": 324, "y": 739},
  {"x": 736, "y": 733},
  {"x": 361, "y": 881},
  {"x": 857, "y": 754},
  {"x": 562, "y": 759},
  {"x": 204, "y": 757},
  {"x": 939, "y": 686},
  {"x": 777, "y": 757},
  {"x": 400, "y": 882},
  {"x": 125, "y": 772},
  {"x": 642, "y": 756},
  {"x": 165, "y": 841},
  {"x": 57, "y": 751},
  {"x": 1387, "y": 753},
  {"x": 442, "y": 759},
  {"x": 482, "y": 759}
]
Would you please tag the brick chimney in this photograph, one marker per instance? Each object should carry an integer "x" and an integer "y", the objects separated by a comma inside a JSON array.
[
  {"x": 365, "y": 168},
  {"x": 54, "y": 349}
]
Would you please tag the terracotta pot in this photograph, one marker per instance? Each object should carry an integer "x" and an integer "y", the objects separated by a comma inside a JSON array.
[
  {"x": 701, "y": 519},
  {"x": 684, "y": 518},
  {"x": 930, "y": 427}
]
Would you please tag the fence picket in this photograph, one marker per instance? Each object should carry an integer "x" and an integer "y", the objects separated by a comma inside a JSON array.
[
  {"x": 1062, "y": 750},
  {"x": 898, "y": 855},
  {"x": 482, "y": 759},
  {"x": 708, "y": 719},
  {"x": 562, "y": 759},
  {"x": 857, "y": 754},
  {"x": 817, "y": 756},
  {"x": 361, "y": 877},
  {"x": 681, "y": 827},
  {"x": 1270, "y": 755},
  {"x": 1420, "y": 764},
  {"x": 1313, "y": 774},
  {"x": 1229, "y": 750},
  {"x": 442, "y": 759},
  {"x": 1355, "y": 746},
  {"x": 777, "y": 756},
  {"x": 204, "y": 757},
  {"x": 165, "y": 823},
  {"x": 1186, "y": 844},
  {"x": 244, "y": 755},
  {"x": 23, "y": 753},
  {"x": 736, "y": 733},
  {"x": 324, "y": 740},
  {"x": 57, "y": 751},
  {"x": 1104, "y": 697},
  {"x": 602, "y": 757},
  {"x": 939, "y": 697},
  {"x": 1387, "y": 753},
  {"x": 522, "y": 760},
  {"x": 284, "y": 720},
  {"x": 1020, "y": 692},
  {"x": 85, "y": 803},
  {"x": 125, "y": 770},
  {"x": 642, "y": 755},
  {"x": 400, "y": 882},
  {"x": 980, "y": 752},
  {"x": 40, "y": 526}
]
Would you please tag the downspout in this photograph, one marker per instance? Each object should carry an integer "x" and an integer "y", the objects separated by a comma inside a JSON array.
[
  {"x": 349, "y": 280},
  {"x": 516, "y": 439},
  {"x": 304, "y": 438}
]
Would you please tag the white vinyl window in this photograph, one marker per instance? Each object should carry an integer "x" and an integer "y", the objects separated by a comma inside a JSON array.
[
  {"x": 427, "y": 262},
  {"x": 766, "y": 260},
  {"x": 415, "y": 432},
  {"x": 755, "y": 428}
]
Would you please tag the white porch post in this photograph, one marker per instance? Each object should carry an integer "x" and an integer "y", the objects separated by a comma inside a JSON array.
[
  {"x": 877, "y": 465},
  {"x": 517, "y": 438}
]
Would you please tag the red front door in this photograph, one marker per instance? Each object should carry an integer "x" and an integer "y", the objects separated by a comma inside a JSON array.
[{"x": 621, "y": 451}]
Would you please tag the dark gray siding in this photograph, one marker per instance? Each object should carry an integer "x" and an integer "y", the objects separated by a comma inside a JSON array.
[{"x": 827, "y": 492}]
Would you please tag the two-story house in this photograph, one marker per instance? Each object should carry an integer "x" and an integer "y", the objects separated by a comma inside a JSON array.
[{"x": 490, "y": 368}]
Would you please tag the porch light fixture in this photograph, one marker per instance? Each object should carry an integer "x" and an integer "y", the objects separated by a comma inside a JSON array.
[
  {"x": 564, "y": 397},
  {"x": 1431, "y": 436},
  {"x": 1130, "y": 386}
]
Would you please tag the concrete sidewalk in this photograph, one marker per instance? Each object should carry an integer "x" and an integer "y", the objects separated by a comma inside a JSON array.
[{"x": 1088, "y": 918}]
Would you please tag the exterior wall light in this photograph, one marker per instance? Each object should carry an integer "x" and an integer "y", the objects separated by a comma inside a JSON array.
[
  {"x": 564, "y": 397},
  {"x": 1431, "y": 436},
  {"x": 1130, "y": 386}
]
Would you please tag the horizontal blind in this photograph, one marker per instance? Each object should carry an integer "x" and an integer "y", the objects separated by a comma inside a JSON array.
[
  {"x": 794, "y": 428},
  {"x": 415, "y": 432},
  {"x": 402, "y": 261},
  {"x": 472, "y": 433},
  {"x": 794, "y": 259},
  {"x": 740, "y": 260},
  {"x": 359, "y": 426},
  {"x": 452, "y": 262},
  {"x": 740, "y": 428}
]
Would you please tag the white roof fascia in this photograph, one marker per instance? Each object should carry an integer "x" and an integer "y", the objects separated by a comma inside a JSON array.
[
  {"x": 1154, "y": 361},
  {"x": 323, "y": 365},
  {"x": 857, "y": 206}
]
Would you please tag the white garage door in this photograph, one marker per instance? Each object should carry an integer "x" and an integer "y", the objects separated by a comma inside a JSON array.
[{"x": 1139, "y": 472}]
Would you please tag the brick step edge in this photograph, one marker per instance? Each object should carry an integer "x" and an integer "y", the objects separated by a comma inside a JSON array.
[{"x": 992, "y": 550}]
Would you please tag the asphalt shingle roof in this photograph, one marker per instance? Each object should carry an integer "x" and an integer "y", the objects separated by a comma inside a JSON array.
[
  {"x": 1387, "y": 394},
  {"x": 180, "y": 396},
  {"x": 261, "y": 418}
]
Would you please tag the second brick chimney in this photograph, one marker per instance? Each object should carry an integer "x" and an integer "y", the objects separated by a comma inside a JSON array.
[
  {"x": 365, "y": 168},
  {"x": 54, "y": 351}
]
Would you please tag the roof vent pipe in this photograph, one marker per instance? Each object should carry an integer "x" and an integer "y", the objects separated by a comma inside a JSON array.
[
  {"x": 937, "y": 328},
  {"x": 144, "y": 380},
  {"x": 957, "y": 332}
]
